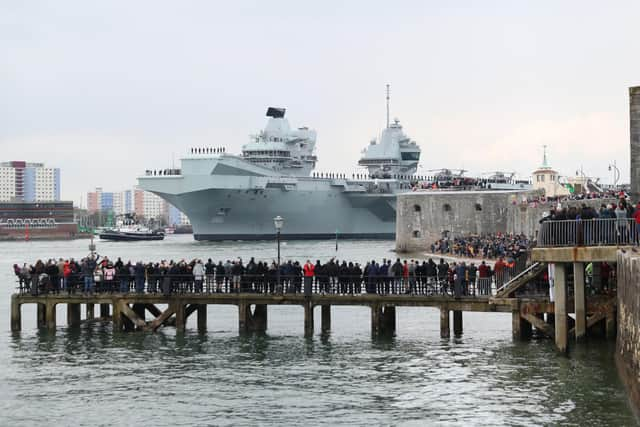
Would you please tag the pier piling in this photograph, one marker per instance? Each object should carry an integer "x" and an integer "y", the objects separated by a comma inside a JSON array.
[
  {"x": 181, "y": 316},
  {"x": 580, "y": 301},
  {"x": 561, "y": 318},
  {"x": 90, "y": 313},
  {"x": 202, "y": 317},
  {"x": 16, "y": 315},
  {"x": 325, "y": 320},
  {"x": 104, "y": 311},
  {"x": 308, "y": 319},
  {"x": 41, "y": 318},
  {"x": 73, "y": 315},
  {"x": 457, "y": 322},
  {"x": 445, "y": 331},
  {"x": 51, "y": 315}
]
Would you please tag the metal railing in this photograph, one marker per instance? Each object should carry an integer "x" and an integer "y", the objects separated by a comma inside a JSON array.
[
  {"x": 588, "y": 232},
  {"x": 177, "y": 284}
]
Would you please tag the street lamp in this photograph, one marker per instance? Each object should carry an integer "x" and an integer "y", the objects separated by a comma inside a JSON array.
[{"x": 278, "y": 222}]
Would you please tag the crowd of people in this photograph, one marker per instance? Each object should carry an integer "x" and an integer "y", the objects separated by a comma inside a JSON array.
[
  {"x": 485, "y": 246},
  {"x": 94, "y": 274}
]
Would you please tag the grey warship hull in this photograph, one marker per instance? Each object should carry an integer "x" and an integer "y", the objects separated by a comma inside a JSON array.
[{"x": 313, "y": 209}]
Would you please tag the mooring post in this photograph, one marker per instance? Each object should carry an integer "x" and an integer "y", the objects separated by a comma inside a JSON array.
[
  {"x": 308, "y": 319},
  {"x": 560, "y": 312},
  {"x": 180, "y": 316},
  {"x": 41, "y": 315},
  {"x": 457, "y": 322},
  {"x": 104, "y": 310},
  {"x": 580, "y": 301},
  {"x": 202, "y": 317},
  {"x": 325, "y": 318},
  {"x": 90, "y": 314},
  {"x": 445, "y": 331},
  {"x": 16, "y": 315},
  {"x": 73, "y": 314},
  {"x": 51, "y": 315}
]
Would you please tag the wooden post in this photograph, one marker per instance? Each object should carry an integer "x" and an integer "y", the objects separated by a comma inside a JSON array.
[
  {"x": 388, "y": 319},
  {"x": 376, "y": 312},
  {"x": 116, "y": 318},
  {"x": 16, "y": 314},
  {"x": 244, "y": 311},
  {"x": 104, "y": 310},
  {"x": 139, "y": 309},
  {"x": 560, "y": 294},
  {"x": 202, "y": 317},
  {"x": 445, "y": 331},
  {"x": 580, "y": 301},
  {"x": 90, "y": 311},
  {"x": 41, "y": 315},
  {"x": 325, "y": 312},
  {"x": 73, "y": 314},
  {"x": 126, "y": 322},
  {"x": 520, "y": 327},
  {"x": 308, "y": 319},
  {"x": 610, "y": 322},
  {"x": 51, "y": 316},
  {"x": 180, "y": 317},
  {"x": 259, "y": 318},
  {"x": 457, "y": 322}
]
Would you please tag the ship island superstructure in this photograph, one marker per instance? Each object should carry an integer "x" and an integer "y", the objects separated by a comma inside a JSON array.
[{"x": 236, "y": 197}]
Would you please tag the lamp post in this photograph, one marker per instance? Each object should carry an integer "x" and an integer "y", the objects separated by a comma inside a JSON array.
[
  {"x": 616, "y": 173},
  {"x": 278, "y": 222}
]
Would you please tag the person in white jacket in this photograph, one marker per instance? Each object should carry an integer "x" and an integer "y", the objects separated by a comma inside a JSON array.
[{"x": 198, "y": 275}]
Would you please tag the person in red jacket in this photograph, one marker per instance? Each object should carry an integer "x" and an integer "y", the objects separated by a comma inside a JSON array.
[
  {"x": 66, "y": 274},
  {"x": 484, "y": 283},
  {"x": 308, "y": 271}
]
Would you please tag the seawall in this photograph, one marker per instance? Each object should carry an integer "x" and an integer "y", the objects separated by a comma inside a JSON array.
[
  {"x": 628, "y": 337},
  {"x": 424, "y": 217}
]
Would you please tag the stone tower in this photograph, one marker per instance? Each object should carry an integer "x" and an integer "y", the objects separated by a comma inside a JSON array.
[{"x": 634, "y": 118}]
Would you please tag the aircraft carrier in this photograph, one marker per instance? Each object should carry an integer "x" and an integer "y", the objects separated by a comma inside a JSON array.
[{"x": 236, "y": 197}]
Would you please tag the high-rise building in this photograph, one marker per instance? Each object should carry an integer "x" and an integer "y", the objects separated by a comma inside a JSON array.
[
  {"x": 29, "y": 182},
  {"x": 137, "y": 201},
  {"x": 177, "y": 217}
]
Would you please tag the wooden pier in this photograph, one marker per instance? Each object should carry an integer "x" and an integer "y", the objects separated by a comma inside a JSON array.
[{"x": 142, "y": 312}]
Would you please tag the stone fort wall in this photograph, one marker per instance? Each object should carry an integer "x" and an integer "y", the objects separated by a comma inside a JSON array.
[{"x": 424, "y": 217}]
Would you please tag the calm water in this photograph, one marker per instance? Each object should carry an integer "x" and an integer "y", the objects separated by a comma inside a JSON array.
[{"x": 92, "y": 377}]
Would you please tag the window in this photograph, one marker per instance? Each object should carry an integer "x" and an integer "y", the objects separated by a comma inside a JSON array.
[
  {"x": 478, "y": 207},
  {"x": 416, "y": 234},
  {"x": 447, "y": 207},
  {"x": 417, "y": 208}
]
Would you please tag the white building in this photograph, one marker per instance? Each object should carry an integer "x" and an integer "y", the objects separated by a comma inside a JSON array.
[
  {"x": 29, "y": 182},
  {"x": 547, "y": 179},
  {"x": 7, "y": 183}
]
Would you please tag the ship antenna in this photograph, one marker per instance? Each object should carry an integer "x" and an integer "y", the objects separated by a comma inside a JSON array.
[{"x": 387, "y": 105}]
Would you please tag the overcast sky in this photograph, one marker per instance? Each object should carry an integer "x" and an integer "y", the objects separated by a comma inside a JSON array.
[{"x": 105, "y": 90}]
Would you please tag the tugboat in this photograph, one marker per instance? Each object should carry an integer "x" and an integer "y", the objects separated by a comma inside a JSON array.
[{"x": 129, "y": 230}]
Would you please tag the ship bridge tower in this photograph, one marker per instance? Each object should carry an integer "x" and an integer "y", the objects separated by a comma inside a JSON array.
[{"x": 393, "y": 153}]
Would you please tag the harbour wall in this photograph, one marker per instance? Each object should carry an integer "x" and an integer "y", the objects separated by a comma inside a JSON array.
[
  {"x": 634, "y": 131},
  {"x": 628, "y": 336},
  {"x": 424, "y": 217}
]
